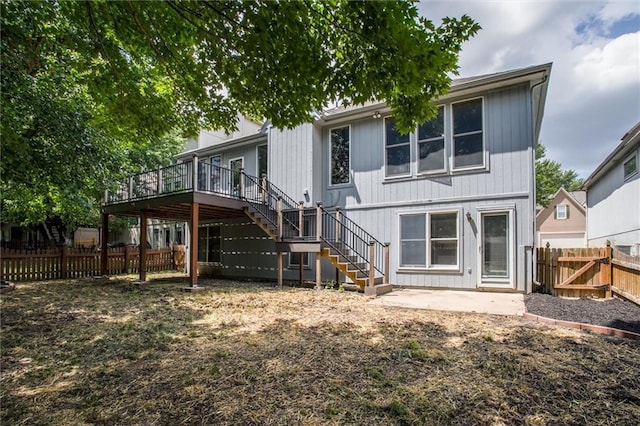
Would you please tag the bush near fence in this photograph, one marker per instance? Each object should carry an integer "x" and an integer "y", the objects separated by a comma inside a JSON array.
[
  {"x": 588, "y": 272},
  {"x": 69, "y": 262}
]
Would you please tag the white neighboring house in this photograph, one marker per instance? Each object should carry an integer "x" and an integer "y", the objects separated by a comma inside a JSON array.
[{"x": 613, "y": 197}]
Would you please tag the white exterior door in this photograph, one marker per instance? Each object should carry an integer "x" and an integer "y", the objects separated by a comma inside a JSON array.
[
  {"x": 236, "y": 165},
  {"x": 496, "y": 249}
]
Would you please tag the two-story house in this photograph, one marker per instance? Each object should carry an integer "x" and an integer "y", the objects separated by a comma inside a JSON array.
[
  {"x": 613, "y": 197},
  {"x": 562, "y": 224},
  {"x": 449, "y": 205}
]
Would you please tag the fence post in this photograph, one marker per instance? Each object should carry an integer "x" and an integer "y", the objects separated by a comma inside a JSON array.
[
  {"x": 318, "y": 220},
  {"x": 372, "y": 261},
  {"x": 608, "y": 268},
  {"x": 64, "y": 270},
  {"x": 386, "y": 262},
  {"x": 279, "y": 211}
]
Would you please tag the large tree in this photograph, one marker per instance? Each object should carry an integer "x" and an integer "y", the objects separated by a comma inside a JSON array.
[
  {"x": 91, "y": 88},
  {"x": 550, "y": 177}
]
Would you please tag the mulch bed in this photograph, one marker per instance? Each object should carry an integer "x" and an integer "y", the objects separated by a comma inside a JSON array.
[{"x": 614, "y": 313}]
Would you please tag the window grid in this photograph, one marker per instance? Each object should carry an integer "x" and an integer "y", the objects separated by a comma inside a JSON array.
[{"x": 430, "y": 243}]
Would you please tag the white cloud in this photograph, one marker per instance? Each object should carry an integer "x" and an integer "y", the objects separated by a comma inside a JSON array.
[{"x": 594, "y": 91}]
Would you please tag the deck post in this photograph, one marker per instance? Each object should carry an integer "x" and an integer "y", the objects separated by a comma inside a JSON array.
[
  {"x": 142, "y": 259},
  {"x": 264, "y": 188},
  {"x": 159, "y": 177},
  {"x": 301, "y": 219},
  {"x": 372, "y": 261},
  {"x": 194, "y": 178},
  {"x": 318, "y": 271},
  {"x": 386, "y": 262},
  {"x": 318, "y": 221},
  {"x": 338, "y": 225},
  {"x": 130, "y": 188},
  {"x": 104, "y": 245},
  {"x": 280, "y": 221},
  {"x": 193, "y": 244},
  {"x": 242, "y": 183}
]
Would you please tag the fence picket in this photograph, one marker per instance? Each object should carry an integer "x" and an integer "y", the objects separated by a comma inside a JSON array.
[{"x": 62, "y": 262}]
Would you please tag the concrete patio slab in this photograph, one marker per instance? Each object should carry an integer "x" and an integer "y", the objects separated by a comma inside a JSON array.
[{"x": 452, "y": 300}]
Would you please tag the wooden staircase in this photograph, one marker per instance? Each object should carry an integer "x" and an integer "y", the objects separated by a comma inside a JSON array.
[{"x": 329, "y": 230}]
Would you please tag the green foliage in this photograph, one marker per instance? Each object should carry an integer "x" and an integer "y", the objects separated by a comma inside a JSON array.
[
  {"x": 92, "y": 90},
  {"x": 550, "y": 177}
]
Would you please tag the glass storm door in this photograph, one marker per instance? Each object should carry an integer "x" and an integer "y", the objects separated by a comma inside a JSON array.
[{"x": 496, "y": 249}]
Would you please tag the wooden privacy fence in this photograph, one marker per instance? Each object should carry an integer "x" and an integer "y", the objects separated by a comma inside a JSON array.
[
  {"x": 68, "y": 262},
  {"x": 588, "y": 272}
]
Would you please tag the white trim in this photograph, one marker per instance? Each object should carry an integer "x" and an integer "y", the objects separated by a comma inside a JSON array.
[
  {"x": 483, "y": 166},
  {"x": 444, "y": 170},
  {"x": 384, "y": 152},
  {"x": 258, "y": 159},
  {"x": 632, "y": 174},
  {"x": 330, "y": 162},
  {"x": 457, "y": 268},
  {"x": 497, "y": 282}
]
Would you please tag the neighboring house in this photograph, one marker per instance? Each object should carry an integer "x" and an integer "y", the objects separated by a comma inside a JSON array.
[
  {"x": 454, "y": 199},
  {"x": 613, "y": 197},
  {"x": 562, "y": 224}
]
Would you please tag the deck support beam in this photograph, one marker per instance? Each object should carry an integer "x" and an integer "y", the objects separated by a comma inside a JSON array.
[
  {"x": 193, "y": 244},
  {"x": 142, "y": 260},
  {"x": 280, "y": 254}
]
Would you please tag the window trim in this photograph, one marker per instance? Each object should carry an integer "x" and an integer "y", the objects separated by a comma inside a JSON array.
[
  {"x": 445, "y": 160},
  {"x": 565, "y": 212},
  {"x": 457, "y": 268},
  {"x": 330, "y": 162},
  {"x": 306, "y": 264},
  {"x": 258, "y": 159},
  {"x": 452, "y": 135},
  {"x": 624, "y": 163},
  {"x": 385, "y": 147}
]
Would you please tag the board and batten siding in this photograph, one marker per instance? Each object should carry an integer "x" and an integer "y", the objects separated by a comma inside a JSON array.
[
  {"x": 374, "y": 201},
  {"x": 508, "y": 139},
  {"x": 291, "y": 163},
  {"x": 383, "y": 224}
]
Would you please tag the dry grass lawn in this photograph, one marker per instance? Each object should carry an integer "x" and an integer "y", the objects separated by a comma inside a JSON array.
[{"x": 85, "y": 352}]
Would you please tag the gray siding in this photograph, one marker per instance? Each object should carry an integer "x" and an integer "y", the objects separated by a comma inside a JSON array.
[{"x": 291, "y": 161}]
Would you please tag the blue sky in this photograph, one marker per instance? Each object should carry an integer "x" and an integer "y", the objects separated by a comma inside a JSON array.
[{"x": 594, "y": 90}]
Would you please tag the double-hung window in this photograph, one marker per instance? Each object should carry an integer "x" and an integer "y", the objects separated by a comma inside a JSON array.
[
  {"x": 431, "y": 152},
  {"x": 430, "y": 240},
  {"x": 630, "y": 167},
  {"x": 397, "y": 150},
  {"x": 340, "y": 157},
  {"x": 468, "y": 136}
]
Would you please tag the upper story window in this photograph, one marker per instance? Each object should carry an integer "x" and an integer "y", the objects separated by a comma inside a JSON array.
[
  {"x": 452, "y": 141},
  {"x": 468, "y": 140},
  {"x": 340, "y": 157},
  {"x": 397, "y": 150},
  {"x": 562, "y": 212},
  {"x": 630, "y": 167},
  {"x": 431, "y": 153}
]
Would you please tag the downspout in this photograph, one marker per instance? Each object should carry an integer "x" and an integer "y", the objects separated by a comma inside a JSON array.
[{"x": 544, "y": 79}]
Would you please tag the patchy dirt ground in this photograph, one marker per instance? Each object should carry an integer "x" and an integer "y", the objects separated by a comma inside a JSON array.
[
  {"x": 615, "y": 313},
  {"x": 85, "y": 352}
]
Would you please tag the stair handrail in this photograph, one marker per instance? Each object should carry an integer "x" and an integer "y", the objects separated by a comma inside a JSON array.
[
  {"x": 356, "y": 239},
  {"x": 261, "y": 192}
]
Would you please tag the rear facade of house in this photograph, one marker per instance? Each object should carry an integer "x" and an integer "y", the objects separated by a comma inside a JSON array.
[{"x": 454, "y": 199}]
